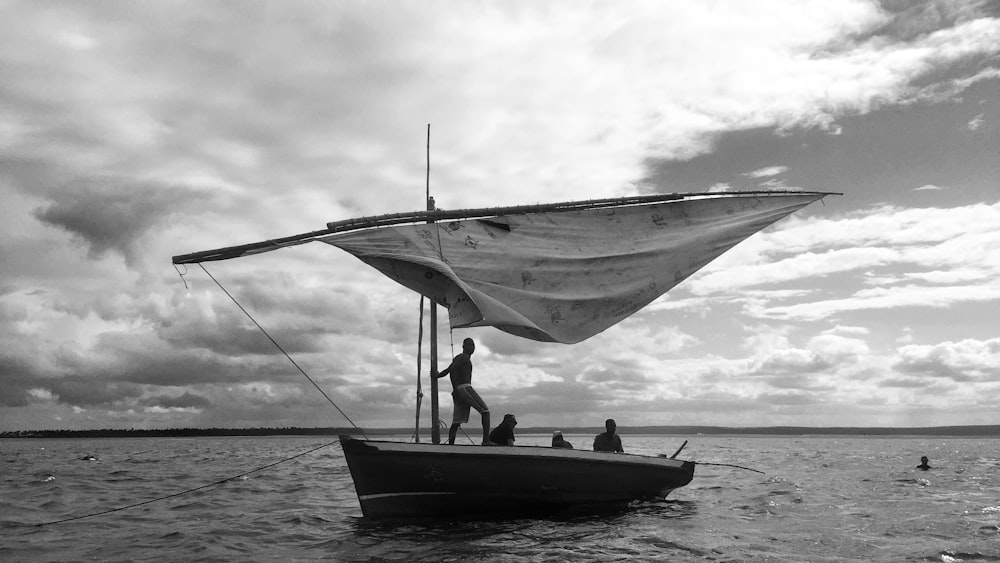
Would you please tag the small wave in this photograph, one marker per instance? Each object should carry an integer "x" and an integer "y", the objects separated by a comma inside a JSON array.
[
  {"x": 304, "y": 520},
  {"x": 668, "y": 546},
  {"x": 197, "y": 505},
  {"x": 139, "y": 461},
  {"x": 294, "y": 488},
  {"x": 957, "y": 557}
]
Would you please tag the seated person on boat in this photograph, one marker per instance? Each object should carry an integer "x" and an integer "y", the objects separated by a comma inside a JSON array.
[
  {"x": 503, "y": 435},
  {"x": 559, "y": 442},
  {"x": 608, "y": 441}
]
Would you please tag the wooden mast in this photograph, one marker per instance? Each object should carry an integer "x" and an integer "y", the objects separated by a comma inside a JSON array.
[{"x": 435, "y": 425}]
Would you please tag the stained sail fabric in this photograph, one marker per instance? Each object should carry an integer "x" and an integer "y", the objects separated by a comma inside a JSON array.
[{"x": 564, "y": 276}]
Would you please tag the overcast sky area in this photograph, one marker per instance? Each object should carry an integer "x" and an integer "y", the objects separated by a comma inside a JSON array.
[{"x": 134, "y": 131}]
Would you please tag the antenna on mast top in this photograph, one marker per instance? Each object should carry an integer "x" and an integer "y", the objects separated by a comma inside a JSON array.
[{"x": 430, "y": 200}]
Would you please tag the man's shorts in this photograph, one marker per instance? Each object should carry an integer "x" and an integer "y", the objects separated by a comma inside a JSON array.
[{"x": 465, "y": 396}]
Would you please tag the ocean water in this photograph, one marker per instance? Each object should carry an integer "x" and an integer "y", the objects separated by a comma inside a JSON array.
[{"x": 828, "y": 498}]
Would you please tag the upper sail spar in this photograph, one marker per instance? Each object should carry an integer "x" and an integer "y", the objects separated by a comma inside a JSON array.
[{"x": 551, "y": 273}]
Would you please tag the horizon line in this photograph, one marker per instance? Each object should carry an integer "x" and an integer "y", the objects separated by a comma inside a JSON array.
[{"x": 965, "y": 429}]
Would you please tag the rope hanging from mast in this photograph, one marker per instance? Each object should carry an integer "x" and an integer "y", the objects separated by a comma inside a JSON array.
[
  {"x": 282, "y": 350},
  {"x": 420, "y": 352}
]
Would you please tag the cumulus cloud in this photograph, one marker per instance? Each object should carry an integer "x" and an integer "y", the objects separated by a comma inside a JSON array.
[
  {"x": 885, "y": 299},
  {"x": 185, "y": 401},
  {"x": 767, "y": 172},
  {"x": 948, "y": 249},
  {"x": 963, "y": 361},
  {"x": 848, "y": 330},
  {"x": 148, "y": 132},
  {"x": 20, "y": 385},
  {"x": 111, "y": 214}
]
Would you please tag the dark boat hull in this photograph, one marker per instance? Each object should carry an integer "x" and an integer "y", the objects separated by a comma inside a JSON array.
[{"x": 399, "y": 480}]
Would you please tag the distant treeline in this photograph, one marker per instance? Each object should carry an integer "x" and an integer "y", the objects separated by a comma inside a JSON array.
[
  {"x": 989, "y": 431},
  {"x": 986, "y": 431},
  {"x": 182, "y": 432}
]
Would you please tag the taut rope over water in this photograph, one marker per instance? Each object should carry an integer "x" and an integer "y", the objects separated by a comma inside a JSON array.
[
  {"x": 219, "y": 482},
  {"x": 729, "y": 465},
  {"x": 273, "y": 341}
]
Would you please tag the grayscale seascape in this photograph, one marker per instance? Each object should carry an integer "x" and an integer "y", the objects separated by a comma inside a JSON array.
[{"x": 822, "y": 498}]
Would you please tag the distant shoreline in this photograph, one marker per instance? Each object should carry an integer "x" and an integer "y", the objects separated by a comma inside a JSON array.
[{"x": 974, "y": 431}]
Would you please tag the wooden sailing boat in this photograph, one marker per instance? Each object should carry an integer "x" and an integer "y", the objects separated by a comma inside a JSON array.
[{"x": 559, "y": 272}]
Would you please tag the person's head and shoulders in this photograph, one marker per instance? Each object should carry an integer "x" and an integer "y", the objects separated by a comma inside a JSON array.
[
  {"x": 468, "y": 347},
  {"x": 463, "y": 361},
  {"x": 559, "y": 442},
  {"x": 924, "y": 465},
  {"x": 503, "y": 435},
  {"x": 609, "y": 440},
  {"x": 460, "y": 369}
]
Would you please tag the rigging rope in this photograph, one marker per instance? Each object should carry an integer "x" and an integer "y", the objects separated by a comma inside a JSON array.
[
  {"x": 182, "y": 274},
  {"x": 219, "y": 482},
  {"x": 420, "y": 351},
  {"x": 729, "y": 465},
  {"x": 273, "y": 341}
]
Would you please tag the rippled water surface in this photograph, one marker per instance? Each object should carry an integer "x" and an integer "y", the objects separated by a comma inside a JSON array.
[{"x": 836, "y": 498}]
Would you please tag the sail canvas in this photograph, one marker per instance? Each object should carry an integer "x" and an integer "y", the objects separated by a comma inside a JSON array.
[{"x": 563, "y": 276}]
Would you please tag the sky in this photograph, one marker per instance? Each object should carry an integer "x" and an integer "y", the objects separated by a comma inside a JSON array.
[{"x": 132, "y": 132}]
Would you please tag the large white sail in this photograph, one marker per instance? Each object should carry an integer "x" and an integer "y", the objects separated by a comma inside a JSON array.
[
  {"x": 565, "y": 275},
  {"x": 557, "y": 272}
]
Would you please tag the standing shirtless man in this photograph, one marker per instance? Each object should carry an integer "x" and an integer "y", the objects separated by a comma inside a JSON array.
[{"x": 463, "y": 394}]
